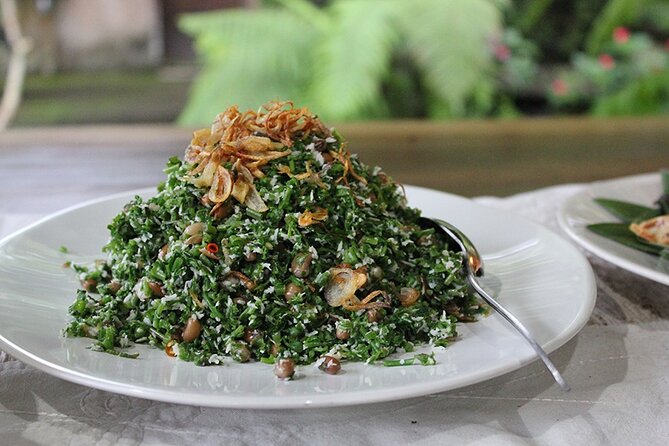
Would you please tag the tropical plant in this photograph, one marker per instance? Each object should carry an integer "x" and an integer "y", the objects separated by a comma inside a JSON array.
[
  {"x": 616, "y": 13},
  {"x": 350, "y": 59},
  {"x": 629, "y": 77},
  {"x": 558, "y": 28},
  {"x": 562, "y": 28}
]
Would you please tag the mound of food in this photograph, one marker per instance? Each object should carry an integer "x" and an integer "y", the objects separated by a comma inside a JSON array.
[{"x": 270, "y": 241}]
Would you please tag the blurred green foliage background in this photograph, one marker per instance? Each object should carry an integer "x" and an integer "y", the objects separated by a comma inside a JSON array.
[
  {"x": 437, "y": 59},
  {"x": 354, "y": 60}
]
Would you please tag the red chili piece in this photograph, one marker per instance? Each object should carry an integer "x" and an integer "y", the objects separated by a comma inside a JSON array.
[{"x": 212, "y": 248}]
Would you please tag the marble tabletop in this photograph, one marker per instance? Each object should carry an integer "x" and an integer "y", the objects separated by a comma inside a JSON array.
[{"x": 617, "y": 365}]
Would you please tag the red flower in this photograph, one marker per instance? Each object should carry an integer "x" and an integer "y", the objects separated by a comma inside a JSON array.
[
  {"x": 621, "y": 35},
  {"x": 502, "y": 52},
  {"x": 559, "y": 87},
  {"x": 607, "y": 61}
]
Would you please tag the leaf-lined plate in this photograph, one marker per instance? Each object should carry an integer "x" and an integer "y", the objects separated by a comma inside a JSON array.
[{"x": 583, "y": 210}]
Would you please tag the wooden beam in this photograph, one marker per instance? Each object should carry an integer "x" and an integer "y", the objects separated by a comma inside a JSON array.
[{"x": 468, "y": 157}]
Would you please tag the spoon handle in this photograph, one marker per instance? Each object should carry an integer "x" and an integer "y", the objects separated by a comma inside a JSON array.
[{"x": 523, "y": 331}]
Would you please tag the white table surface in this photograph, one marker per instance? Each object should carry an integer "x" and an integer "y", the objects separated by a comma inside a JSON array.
[{"x": 617, "y": 366}]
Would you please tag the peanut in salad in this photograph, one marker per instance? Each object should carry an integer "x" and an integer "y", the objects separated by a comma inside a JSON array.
[{"x": 271, "y": 242}]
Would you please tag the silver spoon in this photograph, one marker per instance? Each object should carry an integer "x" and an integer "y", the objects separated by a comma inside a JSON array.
[{"x": 474, "y": 268}]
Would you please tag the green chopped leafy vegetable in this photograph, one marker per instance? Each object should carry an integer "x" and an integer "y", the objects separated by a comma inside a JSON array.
[
  {"x": 288, "y": 247},
  {"x": 420, "y": 358}
]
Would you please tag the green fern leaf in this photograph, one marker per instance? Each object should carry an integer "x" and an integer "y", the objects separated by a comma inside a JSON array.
[
  {"x": 450, "y": 41},
  {"x": 249, "y": 57},
  {"x": 353, "y": 57}
]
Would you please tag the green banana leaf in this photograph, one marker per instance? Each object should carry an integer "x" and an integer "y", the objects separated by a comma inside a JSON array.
[
  {"x": 620, "y": 233},
  {"x": 663, "y": 201},
  {"x": 627, "y": 212}
]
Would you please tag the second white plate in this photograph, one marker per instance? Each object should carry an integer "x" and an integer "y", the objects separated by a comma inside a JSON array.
[
  {"x": 541, "y": 278},
  {"x": 581, "y": 210}
]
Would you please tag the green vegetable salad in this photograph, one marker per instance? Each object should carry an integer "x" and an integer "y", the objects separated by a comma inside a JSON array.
[{"x": 271, "y": 242}]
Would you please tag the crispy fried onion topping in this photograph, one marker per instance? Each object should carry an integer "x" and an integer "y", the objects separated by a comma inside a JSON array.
[
  {"x": 344, "y": 157},
  {"x": 308, "y": 218},
  {"x": 248, "y": 141},
  {"x": 309, "y": 175},
  {"x": 341, "y": 289}
]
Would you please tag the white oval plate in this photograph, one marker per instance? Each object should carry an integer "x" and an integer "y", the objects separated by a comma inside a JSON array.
[
  {"x": 580, "y": 210},
  {"x": 545, "y": 281}
]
